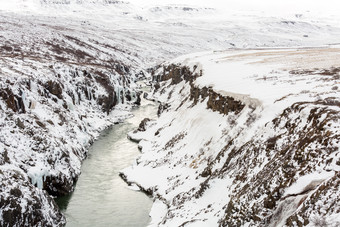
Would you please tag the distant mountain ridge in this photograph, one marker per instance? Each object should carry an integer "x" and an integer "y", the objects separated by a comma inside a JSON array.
[{"x": 67, "y": 2}]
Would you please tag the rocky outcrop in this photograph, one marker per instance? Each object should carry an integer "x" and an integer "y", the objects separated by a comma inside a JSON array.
[
  {"x": 13, "y": 102},
  {"x": 234, "y": 167},
  {"x": 297, "y": 148},
  {"x": 216, "y": 102},
  {"x": 178, "y": 73},
  {"x": 142, "y": 125},
  {"x": 42, "y": 120},
  {"x": 54, "y": 88},
  {"x": 22, "y": 204}
]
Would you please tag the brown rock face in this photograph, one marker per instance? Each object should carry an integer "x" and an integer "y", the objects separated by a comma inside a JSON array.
[
  {"x": 13, "y": 101},
  {"x": 39, "y": 209},
  {"x": 216, "y": 102},
  {"x": 176, "y": 73},
  {"x": 108, "y": 102},
  {"x": 142, "y": 125},
  {"x": 59, "y": 185},
  {"x": 54, "y": 88}
]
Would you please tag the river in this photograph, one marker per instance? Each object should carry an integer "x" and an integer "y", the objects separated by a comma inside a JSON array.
[{"x": 101, "y": 197}]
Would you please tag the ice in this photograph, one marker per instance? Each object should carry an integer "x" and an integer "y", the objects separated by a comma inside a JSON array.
[{"x": 38, "y": 175}]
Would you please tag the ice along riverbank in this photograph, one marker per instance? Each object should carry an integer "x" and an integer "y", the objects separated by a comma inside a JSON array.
[{"x": 101, "y": 197}]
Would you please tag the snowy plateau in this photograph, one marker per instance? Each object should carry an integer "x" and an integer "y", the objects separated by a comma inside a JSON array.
[{"x": 248, "y": 127}]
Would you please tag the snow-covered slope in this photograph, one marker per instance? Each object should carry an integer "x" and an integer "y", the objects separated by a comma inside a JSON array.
[
  {"x": 68, "y": 66},
  {"x": 244, "y": 138},
  {"x": 57, "y": 93}
]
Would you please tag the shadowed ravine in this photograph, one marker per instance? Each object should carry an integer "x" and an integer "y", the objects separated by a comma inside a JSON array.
[{"x": 101, "y": 197}]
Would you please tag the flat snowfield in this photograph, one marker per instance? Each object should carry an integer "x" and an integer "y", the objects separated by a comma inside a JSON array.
[{"x": 266, "y": 75}]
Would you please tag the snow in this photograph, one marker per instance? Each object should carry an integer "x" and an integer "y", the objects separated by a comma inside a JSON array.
[
  {"x": 134, "y": 187},
  {"x": 267, "y": 6},
  {"x": 255, "y": 47},
  {"x": 188, "y": 138},
  {"x": 259, "y": 78},
  {"x": 232, "y": 73},
  {"x": 308, "y": 182},
  {"x": 158, "y": 210}
]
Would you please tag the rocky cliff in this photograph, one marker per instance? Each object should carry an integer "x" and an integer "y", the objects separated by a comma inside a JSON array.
[
  {"x": 243, "y": 146},
  {"x": 56, "y": 96}
]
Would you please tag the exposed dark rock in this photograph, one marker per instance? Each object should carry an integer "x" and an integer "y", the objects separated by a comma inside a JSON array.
[
  {"x": 39, "y": 209},
  {"x": 41, "y": 124},
  {"x": 104, "y": 81},
  {"x": 145, "y": 95},
  {"x": 4, "y": 157},
  {"x": 128, "y": 96},
  {"x": 138, "y": 100},
  {"x": 302, "y": 141},
  {"x": 156, "y": 86},
  {"x": 50, "y": 122},
  {"x": 121, "y": 68},
  {"x": 176, "y": 73},
  {"x": 20, "y": 124},
  {"x": 324, "y": 192},
  {"x": 52, "y": 74},
  {"x": 269, "y": 202},
  {"x": 206, "y": 172},
  {"x": 142, "y": 125},
  {"x": 7, "y": 48},
  {"x": 304, "y": 147},
  {"x": 15, "y": 192},
  {"x": 216, "y": 102},
  {"x": 59, "y": 185},
  {"x": 54, "y": 88},
  {"x": 162, "y": 107},
  {"x": 13, "y": 101},
  {"x": 108, "y": 102},
  {"x": 146, "y": 191}
]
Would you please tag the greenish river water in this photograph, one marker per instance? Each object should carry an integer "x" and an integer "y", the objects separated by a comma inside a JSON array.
[{"x": 101, "y": 197}]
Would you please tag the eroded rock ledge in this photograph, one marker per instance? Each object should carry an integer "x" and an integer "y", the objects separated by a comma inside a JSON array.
[
  {"x": 207, "y": 168},
  {"x": 216, "y": 101}
]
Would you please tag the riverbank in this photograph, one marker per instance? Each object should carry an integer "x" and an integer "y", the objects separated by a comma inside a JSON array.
[
  {"x": 101, "y": 197},
  {"x": 244, "y": 138}
]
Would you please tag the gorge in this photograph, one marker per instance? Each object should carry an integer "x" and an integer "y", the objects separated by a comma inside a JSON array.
[{"x": 247, "y": 132}]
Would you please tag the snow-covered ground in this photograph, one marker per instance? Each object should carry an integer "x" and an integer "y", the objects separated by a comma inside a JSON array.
[
  {"x": 253, "y": 140},
  {"x": 67, "y": 66}
]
